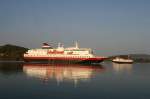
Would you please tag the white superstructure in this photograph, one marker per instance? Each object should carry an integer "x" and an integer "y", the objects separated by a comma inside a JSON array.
[{"x": 60, "y": 51}]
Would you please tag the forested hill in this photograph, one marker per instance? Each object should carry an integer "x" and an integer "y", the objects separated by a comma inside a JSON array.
[{"x": 12, "y": 52}]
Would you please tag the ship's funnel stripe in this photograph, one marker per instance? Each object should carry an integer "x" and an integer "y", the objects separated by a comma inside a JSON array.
[{"x": 45, "y": 45}]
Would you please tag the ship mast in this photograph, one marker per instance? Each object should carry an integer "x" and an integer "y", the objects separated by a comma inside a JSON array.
[{"x": 76, "y": 45}]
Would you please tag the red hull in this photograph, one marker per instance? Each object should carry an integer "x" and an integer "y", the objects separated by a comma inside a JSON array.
[{"x": 64, "y": 60}]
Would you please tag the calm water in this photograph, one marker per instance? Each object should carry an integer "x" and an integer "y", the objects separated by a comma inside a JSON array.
[{"x": 43, "y": 81}]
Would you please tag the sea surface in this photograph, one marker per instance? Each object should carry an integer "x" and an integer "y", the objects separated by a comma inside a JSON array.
[{"x": 54, "y": 81}]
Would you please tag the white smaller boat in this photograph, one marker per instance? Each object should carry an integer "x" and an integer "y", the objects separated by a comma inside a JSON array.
[{"x": 122, "y": 60}]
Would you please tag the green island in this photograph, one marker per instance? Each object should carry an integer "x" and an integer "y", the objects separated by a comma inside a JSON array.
[{"x": 12, "y": 52}]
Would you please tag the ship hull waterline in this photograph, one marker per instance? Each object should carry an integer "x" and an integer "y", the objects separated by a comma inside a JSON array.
[
  {"x": 119, "y": 62},
  {"x": 63, "y": 60}
]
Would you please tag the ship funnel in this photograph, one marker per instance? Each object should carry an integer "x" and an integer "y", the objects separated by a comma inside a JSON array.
[{"x": 45, "y": 45}]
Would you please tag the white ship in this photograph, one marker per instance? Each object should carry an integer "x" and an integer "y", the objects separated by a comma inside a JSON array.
[
  {"x": 122, "y": 60},
  {"x": 62, "y": 55}
]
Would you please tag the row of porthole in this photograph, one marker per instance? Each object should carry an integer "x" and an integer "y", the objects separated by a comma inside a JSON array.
[
  {"x": 71, "y": 56},
  {"x": 63, "y": 56}
]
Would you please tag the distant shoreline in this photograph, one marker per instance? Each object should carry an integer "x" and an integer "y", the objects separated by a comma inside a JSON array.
[
  {"x": 12, "y": 61},
  {"x": 16, "y": 61}
]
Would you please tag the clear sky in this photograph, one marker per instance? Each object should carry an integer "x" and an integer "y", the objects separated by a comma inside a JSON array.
[{"x": 109, "y": 26}]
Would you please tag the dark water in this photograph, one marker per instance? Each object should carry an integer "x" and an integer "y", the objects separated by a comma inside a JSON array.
[{"x": 43, "y": 81}]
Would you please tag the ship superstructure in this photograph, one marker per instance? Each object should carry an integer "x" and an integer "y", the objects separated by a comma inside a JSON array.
[{"x": 62, "y": 55}]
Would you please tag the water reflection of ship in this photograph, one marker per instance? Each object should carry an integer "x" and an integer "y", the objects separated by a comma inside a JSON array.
[
  {"x": 61, "y": 72},
  {"x": 122, "y": 67}
]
